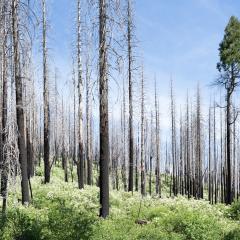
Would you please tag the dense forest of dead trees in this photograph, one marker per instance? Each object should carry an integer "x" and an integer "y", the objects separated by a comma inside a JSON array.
[{"x": 199, "y": 157}]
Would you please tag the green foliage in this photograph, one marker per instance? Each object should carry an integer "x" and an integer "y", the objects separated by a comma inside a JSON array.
[
  {"x": 166, "y": 219},
  {"x": 39, "y": 172},
  {"x": 233, "y": 235},
  {"x": 234, "y": 210},
  {"x": 229, "y": 49},
  {"x": 58, "y": 211},
  {"x": 61, "y": 211}
]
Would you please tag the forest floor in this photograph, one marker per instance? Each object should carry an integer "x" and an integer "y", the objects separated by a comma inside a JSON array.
[{"x": 60, "y": 211}]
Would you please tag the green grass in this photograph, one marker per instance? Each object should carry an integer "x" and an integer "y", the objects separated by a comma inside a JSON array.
[{"x": 60, "y": 211}]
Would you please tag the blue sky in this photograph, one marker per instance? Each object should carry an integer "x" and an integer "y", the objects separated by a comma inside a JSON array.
[
  {"x": 176, "y": 38},
  {"x": 181, "y": 37}
]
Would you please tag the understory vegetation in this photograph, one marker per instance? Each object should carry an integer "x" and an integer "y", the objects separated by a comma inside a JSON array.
[{"x": 61, "y": 211}]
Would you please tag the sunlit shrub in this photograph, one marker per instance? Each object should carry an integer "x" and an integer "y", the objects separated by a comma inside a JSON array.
[
  {"x": 234, "y": 210},
  {"x": 233, "y": 235},
  {"x": 61, "y": 211}
]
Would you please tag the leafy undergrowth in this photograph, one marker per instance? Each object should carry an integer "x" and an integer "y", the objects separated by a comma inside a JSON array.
[{"x": 60, "y": 211}]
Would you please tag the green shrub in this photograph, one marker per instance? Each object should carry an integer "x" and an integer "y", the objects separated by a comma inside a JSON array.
[
  {"x": 61, "y": 211},
  {"x": 233, "y": 235},
  {"x": 234, "y": 210},
  {"x": 22, "y": 224},
  {"x": 39, "y": 172}
]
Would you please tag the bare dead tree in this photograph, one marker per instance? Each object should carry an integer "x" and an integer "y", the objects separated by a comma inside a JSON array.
[
  {"x": 47, "y": 168},
  {"x": 174, "y": 150},
  {"x": 136, "y": 160},
  {"x": 80, "y": 163},
  {"x": 198, "y": 149},
  {"x": 64, "y": 157},
  {"x": 157, "y": 171},
  {"x": 187, "y": 149},
  {"x": 124, "y": 167},
  {"x": 19, "y": 101},
  {"x": 143, "y": 190},
  {"x": 56, "y": 145},
  {"x": 130, "y": 96},
  {"x": 4, "y": 164},
  {"x": 103, "y": 109},
  {"x": 88, "y": 116},
  {"x": 209, "y": 157}
]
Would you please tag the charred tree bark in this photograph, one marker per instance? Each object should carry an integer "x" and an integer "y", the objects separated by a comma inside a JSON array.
[
  {"x": 124, "y": 167},
  {"x": 103, "y": 109},
  {"x": 187, "y": 152},
  {"x": 136, "y": 162},
  {"x": 151, "y": 156},
  {"x": 3, "y": 159},
  {"x": 228, "y": 199},
  {"x": 173, "y": 130},
  {"x": 64, "y": 158},
  {"x": 47, "y": 167},
  {"x": 19, "y": 103},
  {"x": 80, "y": 163},
  {"x": 199, "y": 190},
  {"x": 130, "y": 96},
  {"x": 56, "y": 121},
  {"x": 157, "y": 171},
  {"x": 209, "y": 158},
  {"x": 88, "y": 113},
  {"x": 143, "y": 190}
]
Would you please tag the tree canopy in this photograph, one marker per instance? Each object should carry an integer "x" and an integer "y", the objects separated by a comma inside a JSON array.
[{"x": 229, "y": 51}]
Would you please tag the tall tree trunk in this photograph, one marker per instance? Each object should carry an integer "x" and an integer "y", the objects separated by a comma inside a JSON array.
[
  {"x": 199, "y": 190},
  {"x": 19, "y": 104},
  {"x": 157, "y": 171},
  {"x": 228, "y": 199},
  {"x": 173, "y": 130},
  {"x": 3, "y": 159},
  {"x": 234, "y": 157},
  {"x": 181, "y": 155},
  {"x": 74, "y": 114},
  {"x": 88, "y": 112},
  {"x": 64, "y": 158},
  {"x": 187, "y": 151},
  {"x": 124, "y": 139},
  {"x": 56, "y": 120},
  {"x": 103, "y": 109},
  {"x": 46, "y": 100},
  {"x": 209, "y": 158},
  {"x": 215, "y": 153},
  {"x": 130, "y": 97},
  {"x": 151, "y": 156},
  {"x": 222, "y": 158},
  {"x": 143, "y": 190},
  {"x": 80, "y": 102},
  {"x": 136, "y": 162}
]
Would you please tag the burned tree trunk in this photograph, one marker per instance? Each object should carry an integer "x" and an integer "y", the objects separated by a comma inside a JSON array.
[
  {"x": 199, "y": 186},
  {"x": 4, "y": 165},
  {"x": 124, "y": 167},
  {"x": 64, "y": 157},
  {"x": 157, "y": 171},
  {"x": 88, "y": 113},
  {"x": 209, "y": 158},
  {"x": 19, "y": 103},
  {"x": 173, "y": 130},
  {"x": 187, "y": 151},
  {"x": 80, "y": 162},
  {"x": 130, "y": 96},
  {"x": 143, "y": 190},
  {"x": 47, "y": 167},
  {"x": 136, "y": 162},
  {"x": 103, "y": 109},
  {"x": 228, "y": 199}
]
